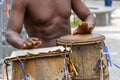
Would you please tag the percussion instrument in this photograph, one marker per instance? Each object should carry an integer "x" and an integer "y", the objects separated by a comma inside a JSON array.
[
  {"x": 87, "y": 55},
  {"x": 38, "y": 64}
]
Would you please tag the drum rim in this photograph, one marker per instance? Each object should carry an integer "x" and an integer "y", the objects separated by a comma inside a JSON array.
[
  {"x": 35, "y": 56},
  {"x": 85, "y": 42}
]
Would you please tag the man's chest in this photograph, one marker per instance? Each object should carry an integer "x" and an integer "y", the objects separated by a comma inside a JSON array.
[{"x": 47, "y": 9}]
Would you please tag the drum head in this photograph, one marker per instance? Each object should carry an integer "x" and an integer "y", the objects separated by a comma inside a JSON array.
[
  {"x": 37, "y": 53},
  {"x": 80, "y": 39}
]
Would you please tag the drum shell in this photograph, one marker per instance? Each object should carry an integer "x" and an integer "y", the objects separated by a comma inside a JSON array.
[
  {"x": 38, "y": 69},
  {"x": 39, "y": 64},
  {"x": 86, "y": 56}
]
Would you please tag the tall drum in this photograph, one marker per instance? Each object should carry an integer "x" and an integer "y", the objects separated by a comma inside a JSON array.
[
  {"x": 38, "y": 64},
  {"x": 87, "y": 55}
]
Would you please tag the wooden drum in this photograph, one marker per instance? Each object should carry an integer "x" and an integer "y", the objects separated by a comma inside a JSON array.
[
  {"x": 39, "y": 64},
  {"x": 87, "y": 55}
]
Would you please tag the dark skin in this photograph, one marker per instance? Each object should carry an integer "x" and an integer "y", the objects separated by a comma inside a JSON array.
[{"x": 45, "y": 21}]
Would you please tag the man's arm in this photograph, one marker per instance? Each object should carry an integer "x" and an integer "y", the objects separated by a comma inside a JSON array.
[
  {"x": 15, "y": 23},
  {"x": 14, "y": 27},
  {"x": 84, "y": 14}
]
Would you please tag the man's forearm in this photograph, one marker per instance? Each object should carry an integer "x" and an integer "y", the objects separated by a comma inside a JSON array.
[{"x": 14, "y": 38}]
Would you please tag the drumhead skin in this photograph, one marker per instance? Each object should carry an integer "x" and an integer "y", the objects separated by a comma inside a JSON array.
[
  {"x": 37, "y": 53},
  {"x": 80, "y": 39}
]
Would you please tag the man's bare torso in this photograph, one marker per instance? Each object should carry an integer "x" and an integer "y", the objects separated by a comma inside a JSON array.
[{"x": 47, "y": 20}]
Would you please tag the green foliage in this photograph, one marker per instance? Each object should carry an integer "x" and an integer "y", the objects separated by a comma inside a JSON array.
[{"x": 75, "y": 23}]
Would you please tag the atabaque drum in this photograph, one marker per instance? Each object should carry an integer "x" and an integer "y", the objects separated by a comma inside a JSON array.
[
  {"x": 87, "y": 55},
  {"x": 38, "y": 64}
]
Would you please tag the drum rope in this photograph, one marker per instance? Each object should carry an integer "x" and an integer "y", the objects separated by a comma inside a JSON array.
[
  {"x": 69, "y": 67},
  {"x": 22, "y": 66},
  {"x": 65, "y": 66},
  {"x": 101, "y": 64},
  {"x": 70, "y": 70},
  {"x": 6, "y": 64},
  {"x": 72, "y": 64}
]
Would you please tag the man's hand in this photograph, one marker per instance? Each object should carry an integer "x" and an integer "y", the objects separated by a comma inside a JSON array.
[
  {"x": 30, "y": 43},
  {"x": 83, "y": 29}
]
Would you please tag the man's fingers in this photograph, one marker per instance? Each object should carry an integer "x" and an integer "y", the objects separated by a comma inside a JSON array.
[
  {"x": 85, "y": 25},
  {"x": 83, "y": 28},
  {"x": 31, "y": 43},
  {"x": 23, "y": 46},
  {"x": 37, "y": 44},
  {"x": 35, "y": 39},
  {"x": 28, "y": 43}
]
